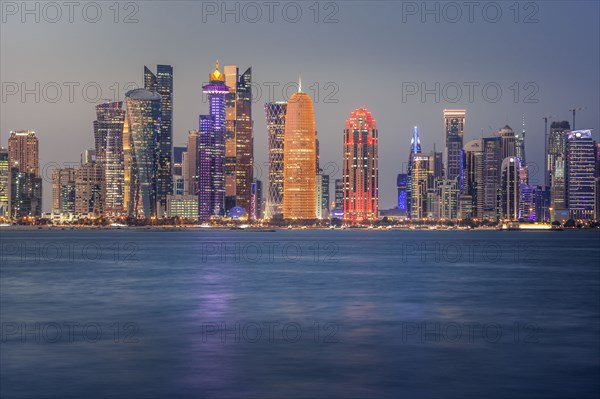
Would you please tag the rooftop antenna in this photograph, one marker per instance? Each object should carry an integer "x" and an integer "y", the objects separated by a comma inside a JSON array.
[
  {"x": 299, "y": 83},
  {"x": 573, "y": 110}
]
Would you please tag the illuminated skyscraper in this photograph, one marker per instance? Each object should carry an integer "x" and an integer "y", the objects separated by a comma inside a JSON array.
[
  {"x": 126, "y": 168},
  {"x": 299, "y": 187},
  {"x": 108, "y": 136},
  {"x": 491, "y": 177},
  {"x": 239, "y": 140},
  {"x": 507, "y": 142},
  {"x": 401, "y": 183},
  {"x": 162, "y": 83},
  {"x": 23, "y": 151},
  {"x": 580, "y": 167},
  {"x": 88, "y": 189},
  {"x": 474, "y": 176},
  {"x": 555, "y": 147},
  {"x": 339, "y": 195},
  {"x": 25, "y": 194},
  {"x": 190, "y": 182},
  {"x": 510, "y": 186},
  {"x": 63, "y": 190},
  {"x": 275, "y": 115},
  {"x": 361, "y": 175},
  {"x": 415, "y": 148},
  {"x": 143, "y": 115},
  {"x": 211, "y": 149},
  {"x": 4, "y": 182},
  {"x": 454, "y": 127}
]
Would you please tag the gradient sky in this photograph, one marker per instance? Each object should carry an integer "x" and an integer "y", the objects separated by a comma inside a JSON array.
[{"x": 369, "y": 54}]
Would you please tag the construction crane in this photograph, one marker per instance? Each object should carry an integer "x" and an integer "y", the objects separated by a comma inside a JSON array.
[
  {"x": 545, "y": 118},
  {"x": 573, "y": 110}
]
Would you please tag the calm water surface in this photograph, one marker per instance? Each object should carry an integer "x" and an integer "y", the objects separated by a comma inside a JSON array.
[{"x": 299, "y": 314}]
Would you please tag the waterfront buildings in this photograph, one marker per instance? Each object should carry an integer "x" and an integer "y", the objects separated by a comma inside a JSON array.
[
  {"x": 580, "y": 164},
  {"x": 454, "y": 126},
  {"x": 275, "y": 116},
  {"x": 510, "y": 188},
  {"x": 299, "y": 187},
  {"x": 361, "y": 175}
]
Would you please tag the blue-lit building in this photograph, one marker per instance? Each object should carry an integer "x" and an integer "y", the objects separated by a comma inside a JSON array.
[
  {"x": 402, "y": 184},
  {"x": 211, "y": 149}
]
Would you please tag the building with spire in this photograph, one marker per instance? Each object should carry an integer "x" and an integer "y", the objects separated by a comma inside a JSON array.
[
  {"x": 361, "y": 175},
  {"x": 454, "y": 127},
  {"x": 211, "y": 149},
  {"x": 299, "y": 187},
  {"x": 415, "y": 148}
]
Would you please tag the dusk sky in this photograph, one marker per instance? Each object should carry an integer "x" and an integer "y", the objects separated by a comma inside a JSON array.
[{"x": 373, "y": 54}]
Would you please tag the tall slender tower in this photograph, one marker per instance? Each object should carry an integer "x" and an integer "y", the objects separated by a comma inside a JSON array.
[
  {"x": 23, "y": 151},
  {"x": 415, "y": 148},
  {"x": 360, "y": 167},
  {"x": 509, "y": 188},
  {"x": 275, "y": 115},
  {"x": 454, "y": 125},
  {"x": 162, "y": 83},
  {"x": 25, "y": 187},
  {"x": 211, "y": 149},
  {"x": 108, "y": 134},
  {"x": 143, "y": 114},
  {"x": 300, "y": 152},
  {"x": 239, "y": 140},
  {"x": 507, "y": 142}
]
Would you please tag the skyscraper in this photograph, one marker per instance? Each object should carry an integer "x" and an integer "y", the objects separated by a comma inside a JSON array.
[
  {"x": 510, "y": 185},
  {"x": 143, "y": 114},
  {"x": 491, "y": 177},
  {"x": 239, "y": 140},
  {"x": 4, "y": 182},
  {"x": 108, "y": 137},
  {"x": 555, "y": 147},
  {"x": 211, "y": 149},
  {"x": 415, "y": 148},
  {"x": 126, "y": 168},
  {"x": 162, "y": 83},
  {"x": 299, "y": 187},
  {"x": 401, "y": 183},
  {"x": 23, "y": 151},
  {"x": 63, "y": 190},
  {"x": 454, "y": 126},
  {"x": 275, "y": 115},
  {"x": 507, "y": 142},
  {"x": 88, "y": 189},
  {"x": 361, "y": 175},
  {"x": 580, "y": 167},
  {"x": 178, "y": 179},
  {"x": 190, "y": 183},
  {"x": 474, "y": 176},
  {"x": 339, "y": 195},
  {"x": 256, "y": 200}
]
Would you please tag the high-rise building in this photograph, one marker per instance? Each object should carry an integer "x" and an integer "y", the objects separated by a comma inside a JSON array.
[
  {"x": 324, "y": 194},
  {"x": 448, "y": 193},
  {"x": 162, "y": 83},
  {"x": 63, "y": 190},
  {"x": 510, "y": 186},
  {"x": 239, "y": 140},
  {"x": 507, "y": 142},
  {"x": 88, "y": 189},
  {"x": 126, "y": 168},
  {"x": 23, "y": 151},
  {"x": 299, "y": 187},
  {"x": 420, "y": 182},
  {"x": 190, "y": 182},
  {"x": 275, "y": 115},
  {"x": 580, "y": 165},
  {"x": 454, "y": 127},
  {"x": 402, "y": 185},
  {"x": 143, "y": 114},
  {"x": 256, "y": 200},
  {"x": 527, "y": 202},
  {"x": 361, "y": 175},
  {"x": 542, "y": 204},
  {"x": 520, "y": 153},
  {"x": 339, "y": 195},
  {"x": 474, "y": 176},
  {"x": 25, "y": 194},
  {"x": 558, "y": 192},
  {"x": 211, "y": 149},
  {"x": 415, "y": 148},
  {"x": 108, "y": 137},
  {"x": 319, "y": 196},
  {"x": 178, "y": 176},
  {"x": 4, "y": 182},
  {"x": 555, "y": 147},
  {"x": 491, "y": 177}
]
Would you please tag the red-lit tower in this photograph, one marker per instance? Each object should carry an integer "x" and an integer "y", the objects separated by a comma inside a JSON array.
[{"x": 361, "y": 177}]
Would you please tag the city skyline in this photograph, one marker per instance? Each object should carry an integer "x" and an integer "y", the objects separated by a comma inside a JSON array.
[{"x": 556, "y": 95}]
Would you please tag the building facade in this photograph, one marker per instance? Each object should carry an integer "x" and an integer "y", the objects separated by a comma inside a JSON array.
[{"x": 275, "y": 115}]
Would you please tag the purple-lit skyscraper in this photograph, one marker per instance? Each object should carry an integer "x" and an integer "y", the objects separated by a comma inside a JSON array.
[{"x": 211, "y": 149}]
